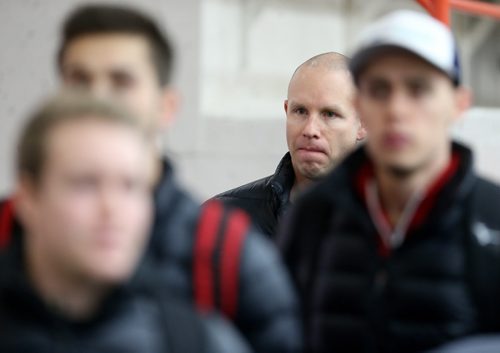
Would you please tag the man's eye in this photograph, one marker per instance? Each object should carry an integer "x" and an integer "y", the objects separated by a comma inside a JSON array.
[
  {"x": 378, "y": 91},
  {"x": 83, "y": 183},
  {"x": 331, "y": 114},
  {"x": 78, "y": 79},
  {"x": 418, "y": 89},
  {"x": 133, "y": 185},
  {"x": 121, "y": 82},
  {"x": 300, "y": 111}
]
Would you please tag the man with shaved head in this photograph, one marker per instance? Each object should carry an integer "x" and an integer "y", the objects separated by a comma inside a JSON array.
[{"x": 321, "y": 127}]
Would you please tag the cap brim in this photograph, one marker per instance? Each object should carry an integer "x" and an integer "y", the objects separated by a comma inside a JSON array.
[{"x": 361, "y": 59}]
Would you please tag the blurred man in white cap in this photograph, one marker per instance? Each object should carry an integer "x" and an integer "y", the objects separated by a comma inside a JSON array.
[{"x": 397, "y": 250}]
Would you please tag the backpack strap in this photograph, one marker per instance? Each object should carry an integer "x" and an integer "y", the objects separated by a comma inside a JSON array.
[
  {"x": 206, "y": 235},
  {"x": 218, "y": 244},
  {"x": 229, "y": 265},
  {"x": 6, "y": 222}
]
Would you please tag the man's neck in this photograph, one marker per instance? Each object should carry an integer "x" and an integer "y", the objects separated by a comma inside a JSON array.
[
  {"x": 298, "y": 185},
  {"x": 396, "y": 190},
  {"x": 74, "y": 298},
  {"x": 157, "y": 172}
]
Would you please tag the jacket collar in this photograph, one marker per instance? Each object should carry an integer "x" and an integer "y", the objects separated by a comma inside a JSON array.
[
  {"x": 165, "y": 188},
  {"x": 459, "y": 184},
  {"x": 166, "y": 195},
  {"x": 282, "y": 180},
  {"x": 19, "y": 294},
  {"x": 453, "y": 187}
]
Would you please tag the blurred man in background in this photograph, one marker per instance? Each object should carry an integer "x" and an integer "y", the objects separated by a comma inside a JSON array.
[
  {"x": 84, "y": 200},
  {"x": 209, "y": 256}
]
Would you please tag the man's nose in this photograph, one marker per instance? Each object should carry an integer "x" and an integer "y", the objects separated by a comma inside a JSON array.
[
  {"x": 312, "y": 126},
  {"x": 100, "y": 89},
  {"x": 398, "y": 104},
  {"x": 109, "y": 200}
]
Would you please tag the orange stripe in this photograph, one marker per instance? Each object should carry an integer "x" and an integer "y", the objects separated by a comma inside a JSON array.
[
  {"x": 476, "y": 7},
  {"x": 427, "y": 5},
  {"x": 442, "y": 11}
]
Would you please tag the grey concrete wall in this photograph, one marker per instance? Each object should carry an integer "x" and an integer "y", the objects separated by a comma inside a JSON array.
[
  {"x": 480, "y": 129},
  {"x": 29, "y": 31},
  {"x": 210, "y": 154},
  {"x": 486, "y": 70},
  {"x": 214, "y": 146}
]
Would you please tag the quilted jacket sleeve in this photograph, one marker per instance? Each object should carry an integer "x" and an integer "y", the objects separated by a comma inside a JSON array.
[{"x": 268, "y": 312}]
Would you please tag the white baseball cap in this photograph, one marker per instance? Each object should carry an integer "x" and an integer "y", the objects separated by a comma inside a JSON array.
[{"x": 415, "y": 32}]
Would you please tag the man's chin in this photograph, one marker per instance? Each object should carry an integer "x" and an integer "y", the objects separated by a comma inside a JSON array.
[
  {"x": 400, "y": 170},
  {"x": 112, "y": 273},
  {"x": 314, "y": 173}
]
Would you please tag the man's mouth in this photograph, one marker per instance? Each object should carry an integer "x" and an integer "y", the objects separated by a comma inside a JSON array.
[
  {"x": 312, "y": 149},
  {"x": 395, "y": 140}
]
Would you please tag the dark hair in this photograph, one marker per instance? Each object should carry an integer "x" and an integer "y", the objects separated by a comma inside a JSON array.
[
  {"x": 104, "y": 19},
  {"x": 68, "y": 107}
]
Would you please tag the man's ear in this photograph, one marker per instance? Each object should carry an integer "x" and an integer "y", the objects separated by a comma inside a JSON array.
[
  {"x": 285, "y": 105},
  {"x": 170, "y": 102},
  {"x": 361, "y": 133},
  {"x": 24, "y": 198}
]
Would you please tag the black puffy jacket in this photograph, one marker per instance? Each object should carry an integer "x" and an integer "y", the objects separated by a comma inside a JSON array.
[
  {"x": 265, "y": 199},
  {"x": 267, "y": 312},
  {"x": 442, "y": 283},
  {"x": 127, "y": 320},
  {"x": 267, "y": 308}
]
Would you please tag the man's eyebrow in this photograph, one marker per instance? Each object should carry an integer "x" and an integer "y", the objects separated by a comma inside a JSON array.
[
  {"x": 335, "y": 108},
  {"x": 75, "y": 67},
  {"x": 331, "y": 107},
  {"x": 376, "y": 79},
  {"x": 295, "y": 104},
  {"x": 418, "y": 79},
  {"x": 120, "y": 72},
  {"x": 72, "y": 66}
]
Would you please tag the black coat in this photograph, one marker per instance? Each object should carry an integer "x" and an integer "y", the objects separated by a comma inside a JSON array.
[
  {"x": 267, "y": 312},
  {"x": 441, "y": 284},
  {"x": 126, "y": 320},
  {"x": 271, "y": 323},
  {"x": 265, "y": 199}
]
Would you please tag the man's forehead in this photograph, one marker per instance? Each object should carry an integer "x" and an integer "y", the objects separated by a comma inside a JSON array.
[
  {"x": 112, "y": 47},
  {"x": 399, "y": 65},
  {"x": 83, "y": 138},
  {"x": 79, "y": 129},
  {"x": 328, "y": 87},
  {"x": 306, "y": 72},
  {"x": 320, "y": 78}
]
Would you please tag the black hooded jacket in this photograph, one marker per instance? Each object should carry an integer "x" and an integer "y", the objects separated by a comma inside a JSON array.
[
  {"x": 442, "y": 283},
  {"x": 126, "y": 320},
  {"x": 265, "y": 199},
  {"x": 270, "y": 322}
]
